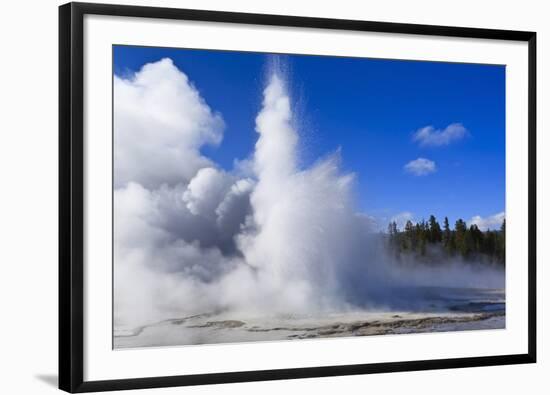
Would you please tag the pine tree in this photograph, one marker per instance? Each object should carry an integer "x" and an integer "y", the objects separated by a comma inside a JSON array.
[
  {"x": 477, "y": 238},
  {"x": 435, "y": 230},
  {"x": 460, "y": 236},
  {"x": 409, "y": 236},
  {"x": 501, "y": 244},
  {"x": 470, "y": 242},
  {"x": 446, "y": 234},
  {"x": 467, "y": 247}
]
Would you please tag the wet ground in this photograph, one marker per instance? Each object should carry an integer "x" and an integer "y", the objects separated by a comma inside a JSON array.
[{"x": 436, "y": 310}]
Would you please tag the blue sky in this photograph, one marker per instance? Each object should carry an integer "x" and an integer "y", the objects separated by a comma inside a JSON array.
[{"x": 371, "y": 109}]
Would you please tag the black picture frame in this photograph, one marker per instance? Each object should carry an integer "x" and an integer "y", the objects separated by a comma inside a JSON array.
[{"x": 71, "y": 196}]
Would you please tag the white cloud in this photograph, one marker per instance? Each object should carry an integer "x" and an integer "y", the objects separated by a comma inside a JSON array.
[
  {"x": 160, "y": 123},
  {"x": 401, "y": 219},
  {"x": 235, "y": 207},
  {"x": 160, "y": 267},
  {"x": 206, "y": 190},
  {"x": 490, "y": 222},
  {"x": 420, "y": 167},
  {"x": 429, "y": 136}
]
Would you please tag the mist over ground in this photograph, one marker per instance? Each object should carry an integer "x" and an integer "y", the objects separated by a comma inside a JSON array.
[{"x": 268, "y": 237}]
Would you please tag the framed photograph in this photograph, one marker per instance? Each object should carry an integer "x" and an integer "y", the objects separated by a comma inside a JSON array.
[{"x": 251, "y": 197}]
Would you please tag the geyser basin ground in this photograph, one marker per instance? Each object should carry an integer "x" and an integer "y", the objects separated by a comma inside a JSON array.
[{"x": 445, "y": 309}]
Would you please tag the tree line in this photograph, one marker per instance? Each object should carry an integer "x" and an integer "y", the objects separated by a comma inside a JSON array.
[{"x": 428, "y": 241}]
